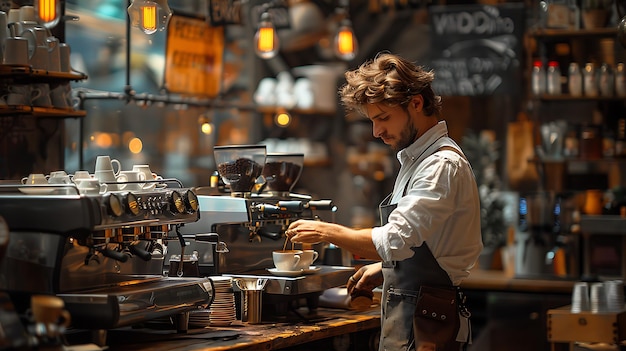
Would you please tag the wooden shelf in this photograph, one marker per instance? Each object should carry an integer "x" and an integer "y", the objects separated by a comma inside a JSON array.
[
  {"x": 570, "y": 98},
  {"x": 295, "y": 111},
  {"x": 41, "y": 112},
  {"x": 545, "y": 33},
  {"x": 26, "y": 71}
]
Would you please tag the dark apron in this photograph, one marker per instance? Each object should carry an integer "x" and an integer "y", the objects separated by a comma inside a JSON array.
[{"x": 401, "y": 289}]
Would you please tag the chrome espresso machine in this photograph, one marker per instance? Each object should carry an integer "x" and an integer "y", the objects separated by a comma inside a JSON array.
[
  {"x": 102, "y": 254},
  {"x": 249, "y": 218}
]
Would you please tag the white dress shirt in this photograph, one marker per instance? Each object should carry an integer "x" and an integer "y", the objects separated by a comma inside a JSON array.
[{"x": 441, "y": 207}]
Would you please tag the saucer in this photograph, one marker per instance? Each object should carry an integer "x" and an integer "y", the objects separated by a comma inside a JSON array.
[
  {"x": 276, "y": 271},
  {"x": 37, "y": 190},
  {"x": 311, "y": 269}
]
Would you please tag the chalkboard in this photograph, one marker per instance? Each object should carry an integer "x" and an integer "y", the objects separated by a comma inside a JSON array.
[{"x": 476, "y": 50}]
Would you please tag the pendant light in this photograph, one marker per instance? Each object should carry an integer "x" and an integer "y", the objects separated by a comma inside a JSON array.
[
  {"x": 266, "y": 43},
  {"x": 149, "y": 15},
  {"x": 345, "y": 44},
  {"x": 48, "y": 12}
]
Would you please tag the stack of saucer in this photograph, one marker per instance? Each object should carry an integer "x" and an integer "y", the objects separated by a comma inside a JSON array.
[
  {"x": 199, "y": 318},
  {"x": 223, "y": 306},
  {"x": 614, "y": 290}
]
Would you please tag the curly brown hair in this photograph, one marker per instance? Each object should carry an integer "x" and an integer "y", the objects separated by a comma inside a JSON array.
[{"x": 392, "y": 80}]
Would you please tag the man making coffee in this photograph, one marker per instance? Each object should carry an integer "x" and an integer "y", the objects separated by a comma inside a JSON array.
[{"x": 429, "y": 238}]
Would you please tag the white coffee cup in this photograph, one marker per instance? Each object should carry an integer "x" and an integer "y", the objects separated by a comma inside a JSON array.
[
  {"x": 16, "y": 99},
  {"x": 307, "y": 257},
  {"x": 286, "y": 260},
  {"x": 148, "y": 174},
  {"x": 27, "y": 14},
  {"x": 29, "y": 94},
  {"x": 40, "y": 95},
  {"x": 16, "y": 51},
  {"x": 54, "y": 54},
  {"x": 130, "y": 176},
  {"x": 107, "y": 176},
  {"x": 106, "y": 163},
  {"x": 81, "y": 175},
  {"x": 13, "y": 16},
  {"x": 35, "y": 178},
  {"x": 64, "y": 57},
  {"x": 91, "y": 186},
  {"x": 59, "y": 177}
]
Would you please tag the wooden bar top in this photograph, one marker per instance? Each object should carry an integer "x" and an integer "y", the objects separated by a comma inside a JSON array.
[
  {"x": 244, "y": 336},
  {"x": 497, "y": 280}
]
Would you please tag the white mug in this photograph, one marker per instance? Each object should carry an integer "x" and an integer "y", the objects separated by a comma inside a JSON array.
[
  {"x": 106, "y": 163},
  {"x": 130, "y": 176},
  {"x": 16, "y": 52}
]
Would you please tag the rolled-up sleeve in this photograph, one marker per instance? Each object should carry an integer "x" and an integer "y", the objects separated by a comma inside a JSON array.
[{"x": 421, "y": 212}]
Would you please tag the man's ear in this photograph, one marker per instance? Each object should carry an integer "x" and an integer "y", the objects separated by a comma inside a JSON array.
[{"x": 417, "y": 102}]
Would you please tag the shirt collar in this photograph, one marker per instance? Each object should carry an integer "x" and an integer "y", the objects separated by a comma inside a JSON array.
[{"x": 414, "y": 150}]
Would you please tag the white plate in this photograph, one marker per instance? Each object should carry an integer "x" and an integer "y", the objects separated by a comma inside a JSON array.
[
  {"x": 37, "y": 190},
  {"x": 275, "y": 271},
  {"x": 312, "y": 269}
]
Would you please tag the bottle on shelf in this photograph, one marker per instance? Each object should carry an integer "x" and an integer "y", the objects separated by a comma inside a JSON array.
[
  {"x": 620, "y": 80},
  {"x": 620, "y": 138},
  {"x": 590, "y": 81},
  {"x": 606, "y": 82},
  {"x": 553, "y": 78},
  {"x": 574, "y": 80},
  {"x": 538, "y": 78}
]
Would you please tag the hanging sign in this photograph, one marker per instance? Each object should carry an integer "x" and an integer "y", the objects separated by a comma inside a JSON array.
[
  {"x": 223, "y": 12},
  {"x": 477, "y": 49},
  {"x": 193, "y": 57}
]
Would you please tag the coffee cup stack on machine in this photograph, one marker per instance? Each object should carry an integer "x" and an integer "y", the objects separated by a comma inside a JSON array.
[
  {"x": 249, "y": 216},
  {"x": 96, "y": 245}
]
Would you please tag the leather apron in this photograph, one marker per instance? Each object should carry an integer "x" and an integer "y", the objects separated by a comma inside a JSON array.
[{"x": 403, "y": 279}]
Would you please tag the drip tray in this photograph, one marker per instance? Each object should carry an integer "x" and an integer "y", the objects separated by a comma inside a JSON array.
[
  {"x": 123, "y": 305},
  {"x": 327, "y": 277}
]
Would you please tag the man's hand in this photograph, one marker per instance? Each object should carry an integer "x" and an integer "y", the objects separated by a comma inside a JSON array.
[{"x": 363, "y": 282}]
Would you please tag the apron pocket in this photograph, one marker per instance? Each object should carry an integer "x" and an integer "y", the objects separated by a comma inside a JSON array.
[{"x": 436, "y": 319}]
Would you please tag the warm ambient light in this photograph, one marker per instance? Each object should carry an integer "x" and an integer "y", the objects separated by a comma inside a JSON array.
[
  {"x": 345, "y": 45},
  {"x": 282, "y": 119},
  {"x": 266, "y": 43},
  {"x": 149, "y": 15},
  {"x": 48, "y": 12}
]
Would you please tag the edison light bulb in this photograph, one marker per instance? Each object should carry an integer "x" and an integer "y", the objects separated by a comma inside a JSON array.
[
  {"x": 48, "y": 12},
  {"x": 149, "y": 15},
  {"x": 346, "y": 45},
  {"x": 266, "y": 43}
]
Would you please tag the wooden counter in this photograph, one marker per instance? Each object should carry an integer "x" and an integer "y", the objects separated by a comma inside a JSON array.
[
  {"x": 302, "y": 335},
  {"x": 494, "y": 280},
  {"x": 243, "y": 336}
]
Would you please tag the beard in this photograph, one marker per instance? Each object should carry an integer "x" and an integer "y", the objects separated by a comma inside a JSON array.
[{"x": 407, "y": 137}]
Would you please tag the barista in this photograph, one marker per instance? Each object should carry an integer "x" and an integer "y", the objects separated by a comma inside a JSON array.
[{"x": 429, "y": 238}]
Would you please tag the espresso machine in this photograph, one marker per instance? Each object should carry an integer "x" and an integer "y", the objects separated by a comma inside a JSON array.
[
  {"x": 243, "y": 221},
  {"x": 102, "y": 254}
]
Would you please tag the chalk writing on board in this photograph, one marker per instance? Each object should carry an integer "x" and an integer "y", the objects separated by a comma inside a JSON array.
[{"x": 476, "y": 49}]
